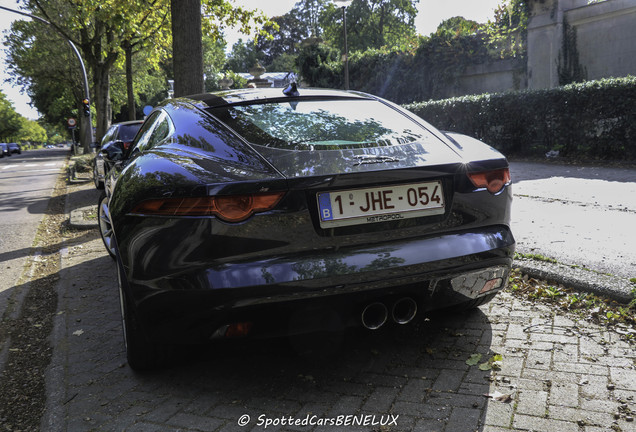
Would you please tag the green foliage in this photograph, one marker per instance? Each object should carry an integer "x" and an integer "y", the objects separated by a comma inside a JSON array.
[
  {"x": 10, "y": 122},
  {"x": 507, "y": 33},
  {"x": 284, "y": 63},
  {"x": 286, "y": 32},
  {"x": 244, "y": 55},
  {"x": 53, "y": 85},
  {"x": 592, "y": 120},
  {"x": 428, "y": 67},
  {"x": 318, "y": 65},
  {"x": 568, "y": 67},
  {"x": 30, "y": 131},
  {"x": 371, "y": 24},
  {"x": 15, "y": 128}
]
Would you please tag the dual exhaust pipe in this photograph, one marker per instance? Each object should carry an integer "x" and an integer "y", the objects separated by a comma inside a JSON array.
[{"x": 375, "y": 315}]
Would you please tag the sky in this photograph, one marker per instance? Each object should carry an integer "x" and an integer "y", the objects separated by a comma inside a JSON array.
[{"x": 430, "y": 14}]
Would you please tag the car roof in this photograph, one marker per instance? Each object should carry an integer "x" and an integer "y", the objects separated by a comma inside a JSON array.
[
  {"x": 247, "y": 96},
  {"x": 129, "y": 122}
]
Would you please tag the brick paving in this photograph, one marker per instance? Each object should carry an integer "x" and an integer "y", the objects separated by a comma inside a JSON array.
[{"x": 558, "y": 372}]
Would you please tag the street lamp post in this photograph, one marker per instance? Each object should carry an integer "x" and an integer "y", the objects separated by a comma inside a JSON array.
[
  {"x": 344, "y": 4},
  {"x": 86, "y": 101}
]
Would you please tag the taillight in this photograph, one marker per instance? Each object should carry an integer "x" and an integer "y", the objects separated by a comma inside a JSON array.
[
  {"x": 231, "y": 208},
  {"x": 494, "y": 181}
]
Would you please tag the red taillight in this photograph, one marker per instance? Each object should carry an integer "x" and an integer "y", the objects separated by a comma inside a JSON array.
[
  {"x": 231, "y": 208},
  {"x": 494, "y": 180}
]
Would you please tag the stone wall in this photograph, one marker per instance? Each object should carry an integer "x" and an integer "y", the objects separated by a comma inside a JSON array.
[
  {"x": 571, "y": 36},
  {"x": 565, "y": 38},
  {"x": 493, "y": 77}
]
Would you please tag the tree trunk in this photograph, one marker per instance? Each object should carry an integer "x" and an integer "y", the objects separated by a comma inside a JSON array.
[
  {"x": 83, "y": 133},
  {"x": 187, "y": 47},
  {"x": 129, "y": 82},
  {"x": 101, "y": 84}
]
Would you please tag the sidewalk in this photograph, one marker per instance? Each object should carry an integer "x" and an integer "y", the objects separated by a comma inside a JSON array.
[{"x": 556, "y": 371}]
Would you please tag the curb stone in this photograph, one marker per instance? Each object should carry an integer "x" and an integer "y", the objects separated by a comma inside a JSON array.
[
  {"x": 79, "y": 221},
  {"x": 614, "y": 287}
]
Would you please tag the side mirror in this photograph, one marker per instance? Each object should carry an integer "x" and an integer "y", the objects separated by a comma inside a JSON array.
[{"x": 113, "y": 152}]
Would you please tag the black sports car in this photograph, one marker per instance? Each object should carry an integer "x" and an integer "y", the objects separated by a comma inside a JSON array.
[{"x": 261, "y": 212}]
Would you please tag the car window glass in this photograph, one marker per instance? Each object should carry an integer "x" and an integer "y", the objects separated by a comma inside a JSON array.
[
  {"x": 160, "y": 132},
  {"x": 109, "y": 135},
  {"x": 142, "y": 138},
  {"x": 323, "y": 124},
  {"x": 128, "y": 132}
]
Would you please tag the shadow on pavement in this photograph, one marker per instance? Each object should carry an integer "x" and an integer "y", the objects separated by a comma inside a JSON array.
[{"x": 417, "y": 372}]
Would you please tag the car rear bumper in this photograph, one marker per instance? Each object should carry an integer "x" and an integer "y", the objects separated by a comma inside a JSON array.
[{"x": 436, "y": 272}]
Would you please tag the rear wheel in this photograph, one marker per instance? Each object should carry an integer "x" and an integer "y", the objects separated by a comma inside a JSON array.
[
  {"x": 98, "y": 184},
  {"x": 105, "y": 225}
]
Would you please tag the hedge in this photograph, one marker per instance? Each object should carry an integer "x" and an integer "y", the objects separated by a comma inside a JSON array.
[{"x": 592, "y": 120}]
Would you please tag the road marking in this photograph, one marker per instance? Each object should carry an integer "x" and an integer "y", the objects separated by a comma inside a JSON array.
[
  {"x": 23, "y": 165},
  {"x": 34, "y": 171}
]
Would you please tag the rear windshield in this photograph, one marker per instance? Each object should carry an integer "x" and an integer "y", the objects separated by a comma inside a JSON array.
[{"x": 320, "y": 124}]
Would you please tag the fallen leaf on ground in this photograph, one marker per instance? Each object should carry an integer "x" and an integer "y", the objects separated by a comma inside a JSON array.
[{"x": 500, "y": 397}]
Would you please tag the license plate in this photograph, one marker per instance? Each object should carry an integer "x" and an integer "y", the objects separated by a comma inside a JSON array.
[{"x": 380, "y": 204}]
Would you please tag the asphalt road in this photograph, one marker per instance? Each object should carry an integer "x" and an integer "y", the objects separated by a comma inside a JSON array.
[
  {"x": 583, "y": 216},
  {"x": 26, "y": 182}
]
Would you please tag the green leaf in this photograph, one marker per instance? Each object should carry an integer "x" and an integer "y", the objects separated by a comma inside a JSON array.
[
  {"x": 473, "y": 359},
  {"x": 485, "y": 366}
]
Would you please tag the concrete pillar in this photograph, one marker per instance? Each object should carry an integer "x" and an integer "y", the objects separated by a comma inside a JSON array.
[{"x": 545, "y": 40}]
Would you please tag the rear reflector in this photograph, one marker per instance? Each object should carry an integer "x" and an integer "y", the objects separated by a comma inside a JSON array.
[
  {"x": 232, "y": 208},
  {"x": 491, "y": 285},
  {"x": 494, "y": 181},
  {"x": 241, "y": 329}
]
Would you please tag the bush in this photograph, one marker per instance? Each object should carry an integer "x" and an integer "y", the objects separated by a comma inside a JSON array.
[{"x": 591, "y": 120}]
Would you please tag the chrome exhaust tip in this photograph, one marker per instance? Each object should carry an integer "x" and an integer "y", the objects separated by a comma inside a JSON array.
[
  {"x": 404, "y": 310},
  {"x": 374, "y": 316}
]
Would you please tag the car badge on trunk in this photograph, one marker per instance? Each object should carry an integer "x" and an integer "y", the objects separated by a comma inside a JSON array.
[{"x": 373, "y": 159}]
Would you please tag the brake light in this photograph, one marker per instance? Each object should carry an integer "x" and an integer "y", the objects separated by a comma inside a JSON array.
[
  {"x": 494, "y": 181},
  {"x": 231, "y": 208}
]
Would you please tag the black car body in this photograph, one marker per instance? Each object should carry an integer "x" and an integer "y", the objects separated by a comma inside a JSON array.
[
  {"x": 4, "y": 150},
  {"x": 124, "y": 132},
  {"x": 225, "y": 218},
  {"x": 14, "y": 148}
]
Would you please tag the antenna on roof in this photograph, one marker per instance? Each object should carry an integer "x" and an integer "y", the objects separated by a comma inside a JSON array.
[{"x": 291, "y": 89}]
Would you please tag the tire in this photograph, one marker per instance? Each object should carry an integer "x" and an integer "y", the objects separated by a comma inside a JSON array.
[
  {"x": 105, "y": 226},
  {"x": 98, "y": 184},
  {"x": 141, "y": 353}
]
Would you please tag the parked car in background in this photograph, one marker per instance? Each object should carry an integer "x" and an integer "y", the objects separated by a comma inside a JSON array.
[
  {"x": 123, "y": 132},
  {"x": 4, "y": 150},
  {"x": 14, "y": 148},
  {"x": 257, "y": 212}
]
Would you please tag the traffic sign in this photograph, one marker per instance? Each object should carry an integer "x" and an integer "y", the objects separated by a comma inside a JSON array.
[{"x": 71, "y": 122}]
